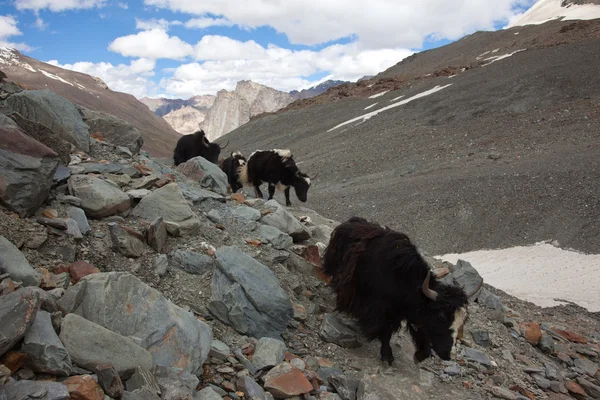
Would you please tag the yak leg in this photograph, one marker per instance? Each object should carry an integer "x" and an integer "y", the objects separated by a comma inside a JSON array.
[
  {"x": 421, "y": 341},
  {"x": 257, "y": 192},
  {"x": 386, "y": 349},
  {"x": 287, "y": 197},
  {"x": 271, "y": 190}
]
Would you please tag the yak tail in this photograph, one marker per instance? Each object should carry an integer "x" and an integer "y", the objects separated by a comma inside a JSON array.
[{"x": 243, "y": 174}]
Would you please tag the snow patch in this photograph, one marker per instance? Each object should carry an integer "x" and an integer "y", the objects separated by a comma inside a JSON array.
[
  {"x": 451, "y": 76},
  {"x": 55, "y": 77},
  {"x": 80, "y": 86},
  {"x": 549, "y": 10},
  {"x": 542, "y": 274},
  {"x": 502, "y": 57},
  {"x": 367, "y": 116},
  {"x": 479, "y": 57},
  {"x": 378, "y": 94},
  {"x": 495, "y": 50},
  {"x": 371, "y": 106},
  {"x": 396, "y": 98},
  {"x": 9, "y": 56}
]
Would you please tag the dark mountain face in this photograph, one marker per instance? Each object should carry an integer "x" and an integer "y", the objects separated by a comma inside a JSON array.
[
  {"x": 503, "y": 153},
  {"x": 315, "y": 90}
]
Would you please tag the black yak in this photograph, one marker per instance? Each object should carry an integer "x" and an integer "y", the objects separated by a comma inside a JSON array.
[
  {"x": 380, "y": 278},
  {"x": 194, "y": 145},
  {"x": 278, "y": 169},
  {"x": 231, "y": 166}
]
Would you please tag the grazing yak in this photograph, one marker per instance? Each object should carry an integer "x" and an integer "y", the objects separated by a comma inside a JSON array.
[
  {"x": 194, "y": 145},
  {"x": 231, "y": 166},
  {"x": 278, "y": 169},
  {"x": 380, "y": 278}
]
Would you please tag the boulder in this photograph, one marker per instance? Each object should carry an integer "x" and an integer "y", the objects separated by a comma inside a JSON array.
[
  {"x": 250, "y": 388},
  {"x": 466, "y": 276},
  {"x": 209, "y": 175},
  {"x": 109, "y": 380},
  {"x": 14, "y": 263},
  {"x": 278, "y": 239},
  {"x": 17, "y": 313},
  {"x": 334, "y": 331},
  {"x": 157, "y": 234},
  {"x": 57, "y": 113},
  {"x": 169, "y": 203},
  {"x": 285, "y": 381},
  {"x": 78, "y": 215},
  {"x": 99, "y": 198},
  {"x": 192, "y": 262},
  {"x": 90, "y": 345},
  {"x": 27, "y": 167},
  {"x": 345, "y": 386},
  {"x": 39, "y": 390},
  {"x": 207, "y": 393},
  {"x": 124, "y": 304},
  {"x": 126, "y": 241},
  {"x": 246, "y": 213},
  {"x": 197, "y": 195},
  {"x": 84, "y": 387},
  {"x": 247, "y": 296},
  {"x": 114, "y": 130},
  {"x": 285, "y": 222},
  {"x": 268, "y": 353},
  {"x": 44, "y": 350}
]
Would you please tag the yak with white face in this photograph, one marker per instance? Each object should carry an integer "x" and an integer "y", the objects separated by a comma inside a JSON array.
[
  {"x": 380, "y": 278},
  {"x": 278, "y": 169},
  {"x": 231, "y": 166}
]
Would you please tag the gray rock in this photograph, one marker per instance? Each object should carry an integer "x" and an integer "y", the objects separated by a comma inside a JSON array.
[
  {"x": 332, "y": 330},
  {"x": 110, "y": 381},
  {"x": 368, "y": 390},
  {"x": 14, "y": 263},
  {"x": 90, "y": 345},
  {"x": 61, "y": 175},
  {"x": 478, "y": 357},
  {"x": 345, "y": 386},
  {"x": 97, "y": 168},
  {"x": 268, "y": 353},
  {"x": 115, "y": 130},
  {"x": 322, "y": 233},
  {"x": 209, "y": 175},
  {"x": 169, "y": 203},
  {"x": 60, "y": 115},
  {"x": 17, "y": 313},
  {"x": 590, "y": 388},
  {"x": 426, "y": 378},
  {"x": 140, "y": 394},
  {"x": 285, "y": 222},
  {"x": 124, "y": 152},
  {"x": 541, "y": 381},
  {"x": 489, "y": 299},
  {"x": 590, "y": 367},
  {"x": 142, "y": 378},
  {"x": 124, "y": 304},
  {"x": 126, "y": 241},
  {"x": 249, "y": 365},
  {"x": 453, "y": 369},
  {"x": 546, "y": 343},
  {"x": 503, "y": 393},
  {"x": 247, "y": 296},
  {"x": 99, "y": 198},
  {"x": 482, "y": 338},
  {"x": 161, "y": 265},
  {"x": 278, "y": 239},
  {"x": 466, "y": 276},
  {"x": 219, "y": 350},
  {"x": 157, "y": 234},
  {"x": 197, "y": 194},
  {"x": 28, "y": 169},
  {"x": 173, "y": 388},
  {"x": 73, "y": 297},
  {"x": 138, "y": 194},
  {"x": 44, "y": 350},
  {"x": 207, "y": 394},
  {"x": 72, "y": 200},
  {"x": 188, "y": 380},
  {"x": 192, "y": 262},
  {"x": 78, "y": 215},
  {"x": 215, "y": 216},
  {"x": 39, "y": 390},
  {"x": 246, "y": 213},
  {"x": 551, "y": 371},
  {"x": 250, "y": 388}
]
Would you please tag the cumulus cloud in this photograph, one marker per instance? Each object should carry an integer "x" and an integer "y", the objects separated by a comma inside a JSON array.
[
  {"x": 376, "y": 23},
  {"x": 133, "y": 78},
  {"x": 8, "y": 28},
  {"x": 57, "y": 5},
  {"x": 207, "y": 22},
  {"x": 152, "y": 44},
  {"x": 149, "y": 24}
]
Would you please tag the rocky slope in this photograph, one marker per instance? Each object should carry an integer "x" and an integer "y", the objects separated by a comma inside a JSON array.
[
  {"x": 135, "y": 280},
  {"x": 503, "y": 153},
  {"x": 315, "y": 90},
  {"x": 232, "y": 109},
  {"x": 92, "y": 93}
]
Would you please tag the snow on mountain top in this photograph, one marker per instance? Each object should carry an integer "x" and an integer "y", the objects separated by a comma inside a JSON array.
[{"x": 548, "y": 10}]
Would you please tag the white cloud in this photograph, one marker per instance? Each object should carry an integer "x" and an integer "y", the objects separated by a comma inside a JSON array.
[
  {"x": 132, "y": 78},
  {"x": 220, "y": 48},
  {"x": 57, "y": 5},
  {"x": 152, "y": 44},
  {"x": 207, "y": 22},
  {"x": 149, "y": 24},
  {"x": 376, "y": 23},
  {"x": 8, "y": 28},
  {"x": 122, "y": 5}
]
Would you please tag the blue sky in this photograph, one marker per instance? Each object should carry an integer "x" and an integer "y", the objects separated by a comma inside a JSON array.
[{"x": 179, "y": 48}]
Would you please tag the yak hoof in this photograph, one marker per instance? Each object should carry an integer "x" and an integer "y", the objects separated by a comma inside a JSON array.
[
  {"x": 288, "y": 204},
  {"x": 420, "y": 356},
  {"x": 389, "y": 359}
]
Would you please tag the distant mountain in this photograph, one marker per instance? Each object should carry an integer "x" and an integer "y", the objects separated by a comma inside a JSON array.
[
  {"x": 90, "y": 92},
  {"x": 315, "y": 90},
  {"x": 548, "y": 10},
  {"x": 185, "y": 120},
  {"x": 232, "y": 109},
  {"x": 162, "y": 106}
]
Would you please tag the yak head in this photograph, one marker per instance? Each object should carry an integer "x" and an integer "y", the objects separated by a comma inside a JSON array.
[
  {"x": 442, "y": 320},
  {"x": 238, "y": 157},
  {"x": 208, "y": 150},
  {"x": 300, "y": 181}
]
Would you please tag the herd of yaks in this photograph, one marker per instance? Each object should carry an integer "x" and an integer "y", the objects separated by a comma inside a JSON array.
[{"x": 378, "y": 275}]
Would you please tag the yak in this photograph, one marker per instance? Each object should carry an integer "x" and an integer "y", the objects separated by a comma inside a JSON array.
[
  {"x": 380, "y": 279},
  {"x": 231, "y": 166},
  {"x": 194, "y": 145},
  {"x": 277, "y": 168}
]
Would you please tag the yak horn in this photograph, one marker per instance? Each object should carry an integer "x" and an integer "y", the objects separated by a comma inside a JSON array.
[
  {"x": 431, "y": 294},
  {"x": 205, "y": 142},
  {"x": 226, "y": 144},
  {"x": 315, "y": 177}
]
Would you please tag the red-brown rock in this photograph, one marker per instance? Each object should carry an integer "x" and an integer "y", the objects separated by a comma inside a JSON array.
[
  {"x": 238, "y": 197},
  {"x": 285, "y": 381},
  {"x": 532, "y": 333},
  {"x": 84, "y": 387},
  {"x": 13, "y": 360},
  {"x": 79, "y": 269},
  {"x": 110, "y": 381},
  {"x": 575, "y": 390},
  {"x": 572, "y": 337},
  {"x": 47, "y": 279},
  {"x": 310, "y": 253}
]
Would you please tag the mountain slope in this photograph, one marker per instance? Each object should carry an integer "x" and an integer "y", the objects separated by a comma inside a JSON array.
[
  {"x": 502, "y": 154},
  {"x": 548, "y": 10},
  {"x": 90, "y": 92},
  {"x": 163, "y": 106},
  {"x": 315, "y": 90}
]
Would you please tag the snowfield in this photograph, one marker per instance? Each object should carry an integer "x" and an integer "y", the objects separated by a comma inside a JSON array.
[{"x": 548, "y": 10}]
